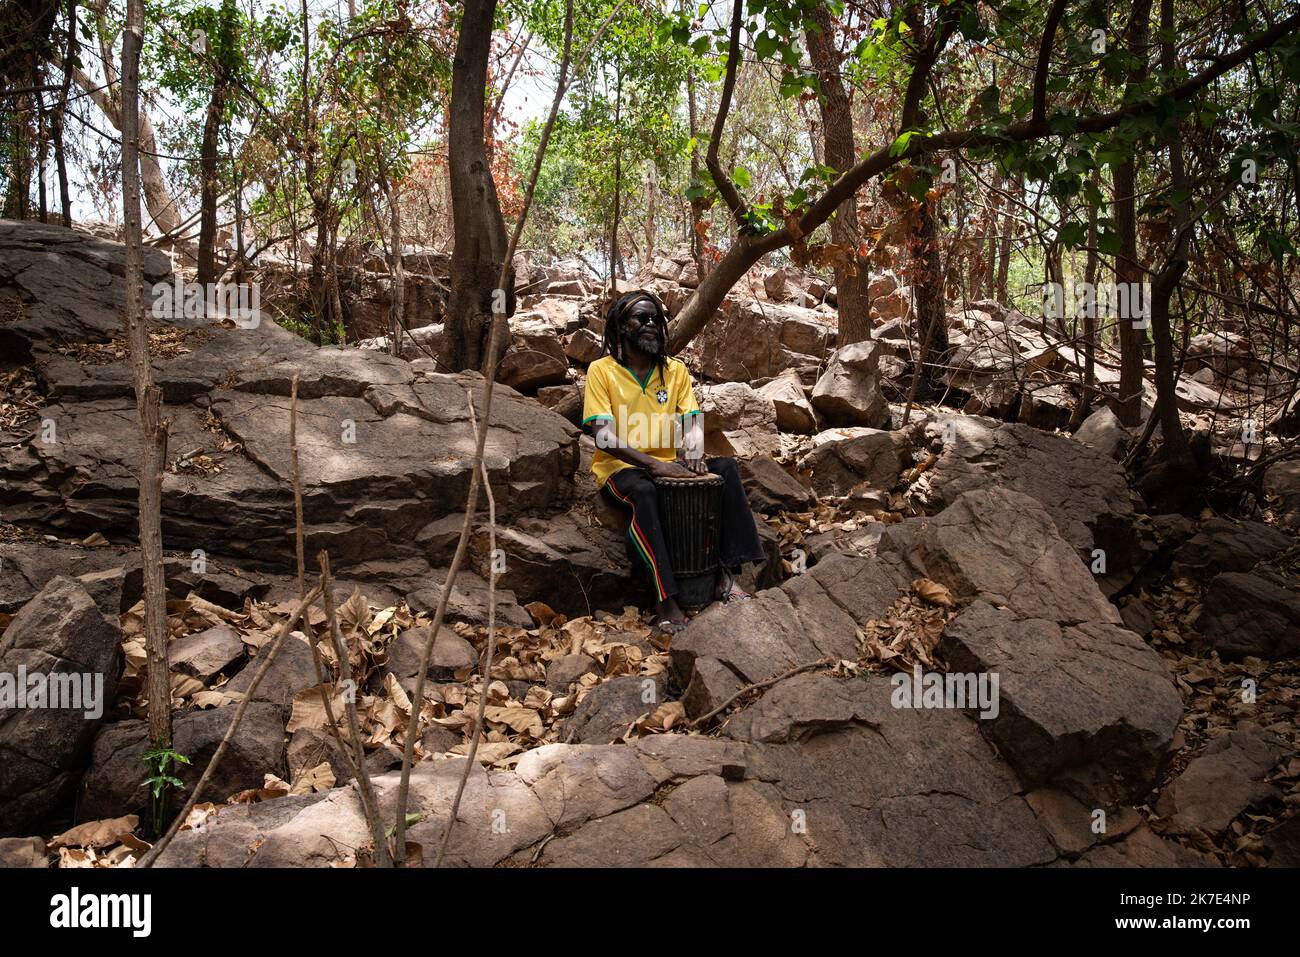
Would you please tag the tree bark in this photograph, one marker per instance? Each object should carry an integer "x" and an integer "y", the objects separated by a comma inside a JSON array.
[
  {"x": 1128, "y": 270},
  {"x": 207, "y": 264},
  {"x": 479, "y": 248},
  {"x": 60, "y": 157},
  {"x": 928, "y": 281},
  {"x": 837, "y": 127},
  {"x": 148, "y": 397},
  {"x": 1166, "y": 281}
]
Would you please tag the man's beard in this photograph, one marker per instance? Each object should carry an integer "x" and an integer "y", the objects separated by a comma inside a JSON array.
[{"x": 648, "y": 342}]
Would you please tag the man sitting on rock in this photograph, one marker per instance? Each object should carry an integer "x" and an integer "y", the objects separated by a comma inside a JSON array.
[{"x": 641, "y": 408}]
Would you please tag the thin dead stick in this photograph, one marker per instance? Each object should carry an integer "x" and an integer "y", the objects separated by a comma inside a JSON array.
[
  {"x": 368, "y": 802},
  {"x": 485, "y": 673},
  {"x": 152, "y": 854},
  {"x": 824, "y": 662},
  {"x": 297, "y": 488}
]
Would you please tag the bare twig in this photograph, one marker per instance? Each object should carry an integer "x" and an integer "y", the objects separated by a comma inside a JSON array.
[
  {"x": 485, "y": 671},
  {"x": 822, "y": 663},
  {"x": 383, "y": 858}
]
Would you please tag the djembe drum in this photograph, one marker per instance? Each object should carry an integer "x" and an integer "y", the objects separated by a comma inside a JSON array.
[{"x": 690, "y": 513}]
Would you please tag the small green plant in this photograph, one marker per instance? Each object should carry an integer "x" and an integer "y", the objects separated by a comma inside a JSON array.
[{"x": 160, "y": 760}]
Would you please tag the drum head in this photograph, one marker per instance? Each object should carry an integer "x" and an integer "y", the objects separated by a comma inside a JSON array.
[{"x": 707, "y": 479}]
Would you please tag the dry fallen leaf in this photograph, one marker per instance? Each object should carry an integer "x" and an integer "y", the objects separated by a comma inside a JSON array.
[
  {"x": 97, "y": 833},
  {"x": 319, "y": 778},
  {"x": 933, "y": 592}
]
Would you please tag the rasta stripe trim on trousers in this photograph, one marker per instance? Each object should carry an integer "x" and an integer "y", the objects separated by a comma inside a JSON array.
[{"x": 638, "y": 538}]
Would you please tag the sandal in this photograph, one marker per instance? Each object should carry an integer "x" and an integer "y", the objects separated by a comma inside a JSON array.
[
  {"x": 670, "y": 627},
  {"x": 736, "y": 593},
  {"x": 733, "y": 592}
]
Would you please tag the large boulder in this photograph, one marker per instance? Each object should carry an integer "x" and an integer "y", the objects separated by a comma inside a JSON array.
[
  {"x": 469, "y": 600},
  {"x": 1085, "y": 705},
  {"x": 848, "y": 393},
  {"x": 574, "y": 567},
  {"x": 1221, "y": 782},
  {"x": 1104, "y": 432},
  {"x": 27, "y": 567},
  {"x": 770, "y": 487},
  {"x": 114, "y": 785},
  {"x": 373, "y": 467},
  {"x": 809, "y": 617},
  {"x": 1281, "y": 484},
  {"x": 1225, "y": 545},
  {"x": 841, "y": 459},
  {"x": 674, "y": 800},
  {"x": 61, "y": 646},
  {"x": 794, "y": 413},
  {"x": 1220, "y": 351},
  {"x": 936, "y": 794},
  {"x": 750, "y": 340},
  {"x": 1252, "y": 614},
  {"x": 1084, "y": 491},
  {"x": 584, "y": 347},
  {"x": 384, "y": 447},
  {"x": 535, "y": 358},
  {"x": 738, "y": 421},
  {"x": 63, "y": 287}
]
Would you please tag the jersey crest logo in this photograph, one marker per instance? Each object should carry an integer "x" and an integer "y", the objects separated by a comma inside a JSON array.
[{"x": 662, "y": 396}]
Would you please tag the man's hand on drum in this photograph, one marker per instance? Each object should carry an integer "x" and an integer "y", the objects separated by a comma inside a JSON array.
[{"x": 670, "y": 470}]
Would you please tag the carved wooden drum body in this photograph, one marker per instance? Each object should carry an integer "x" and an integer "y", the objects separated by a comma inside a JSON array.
[{"x": 690, "y": 513}]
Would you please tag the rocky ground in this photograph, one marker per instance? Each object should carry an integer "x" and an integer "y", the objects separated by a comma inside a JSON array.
[{"x": 1147, "y": 662}]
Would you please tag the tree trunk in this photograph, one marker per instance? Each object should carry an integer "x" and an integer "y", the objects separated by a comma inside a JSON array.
[
  {"x": 60, "y": 157},
  {"x": 1004, "y": 245},
  {"x": 931, "y": 323},
  {"x": 148, "y": 397},
  {"x": 207, "y": 264},
  {"x": 1128, "y": 271},
  {"x": 397, "y": 266},
  {"x": 837, "y": 125},
  {"x": 1084, "y": 405},
  {"x": 479, "y": 229},
  {"x": 1166, "y": 281}
]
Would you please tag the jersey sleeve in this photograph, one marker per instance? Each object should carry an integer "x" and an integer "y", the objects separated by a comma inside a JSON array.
[
  {"x": 686, "y": 404},
  {"x": 596, "y": 402}
]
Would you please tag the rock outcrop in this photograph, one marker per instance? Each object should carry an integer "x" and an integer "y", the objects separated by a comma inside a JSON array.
[{"x": 59, "y": 667}]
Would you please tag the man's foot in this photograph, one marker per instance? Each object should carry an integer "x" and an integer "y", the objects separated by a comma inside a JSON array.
[
  {"x": 729, "y": 591},
  {"x": 669, "y": 616}
]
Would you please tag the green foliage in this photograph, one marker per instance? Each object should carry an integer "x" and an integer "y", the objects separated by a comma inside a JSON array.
[{"x": 159, "y": 760}]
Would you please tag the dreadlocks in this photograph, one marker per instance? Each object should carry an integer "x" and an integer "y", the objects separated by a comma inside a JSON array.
[{"x": 614, "y": 316}]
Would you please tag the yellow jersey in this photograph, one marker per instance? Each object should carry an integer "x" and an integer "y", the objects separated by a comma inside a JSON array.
[{"x": 647, "y": 415}]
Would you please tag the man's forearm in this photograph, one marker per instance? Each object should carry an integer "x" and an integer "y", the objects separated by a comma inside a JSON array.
[{"x": 607, "y": 441}]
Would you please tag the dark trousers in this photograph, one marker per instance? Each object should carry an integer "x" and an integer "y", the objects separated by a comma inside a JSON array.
[{"x": 634, "y": 489}]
